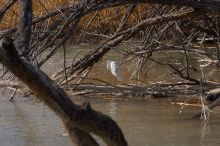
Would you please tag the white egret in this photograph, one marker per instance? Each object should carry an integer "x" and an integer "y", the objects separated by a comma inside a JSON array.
[{"x": 113, "y": 67}]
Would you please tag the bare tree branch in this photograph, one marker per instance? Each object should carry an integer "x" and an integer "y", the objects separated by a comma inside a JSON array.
[
  {"x": 80, "y": 120},
  {"x": 24, "y": 29},
  {"x": 6, "y": 8}
]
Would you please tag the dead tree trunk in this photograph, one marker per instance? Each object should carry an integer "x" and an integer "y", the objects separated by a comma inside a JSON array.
[{"x": 79, "y": 120}]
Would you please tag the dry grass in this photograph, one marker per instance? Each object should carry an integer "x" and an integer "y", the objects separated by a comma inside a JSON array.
[
  {"x": 107, "y": 19},
  {"x": 11, "y": 17}
]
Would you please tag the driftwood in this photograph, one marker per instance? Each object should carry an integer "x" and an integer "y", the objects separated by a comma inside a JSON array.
[
  {"x": 156, "y": 90},
  {"x": 132, "y": 91}
]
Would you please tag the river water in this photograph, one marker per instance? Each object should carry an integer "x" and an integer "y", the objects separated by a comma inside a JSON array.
[{"x": 144, "y": 122}]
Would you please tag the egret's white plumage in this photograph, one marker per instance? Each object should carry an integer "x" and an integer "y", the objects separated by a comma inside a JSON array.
[{"x": 113, "y": 67}]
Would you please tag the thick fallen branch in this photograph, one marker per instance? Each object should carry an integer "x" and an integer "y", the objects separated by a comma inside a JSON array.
[
  {"x": 80, "y": 120},
  {"x": 157, "y": 90}
]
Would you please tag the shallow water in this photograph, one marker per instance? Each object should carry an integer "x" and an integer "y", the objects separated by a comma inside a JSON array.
[
  {"x": 144, "y": 123},
  {"x": 156, "y": 73}
]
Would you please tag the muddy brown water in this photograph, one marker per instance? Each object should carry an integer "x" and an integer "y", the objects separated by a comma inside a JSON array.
[{"x": 144, "y": 123}]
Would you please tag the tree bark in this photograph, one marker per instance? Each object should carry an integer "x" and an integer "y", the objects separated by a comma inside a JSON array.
[
  {"x": 80, "y": 120},
  {"x": 24, "y": 27}
]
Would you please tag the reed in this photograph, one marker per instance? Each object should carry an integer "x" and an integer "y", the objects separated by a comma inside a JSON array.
[
  {"x": 107, "y": 19},
  {"x": 40, "y": 7}
]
